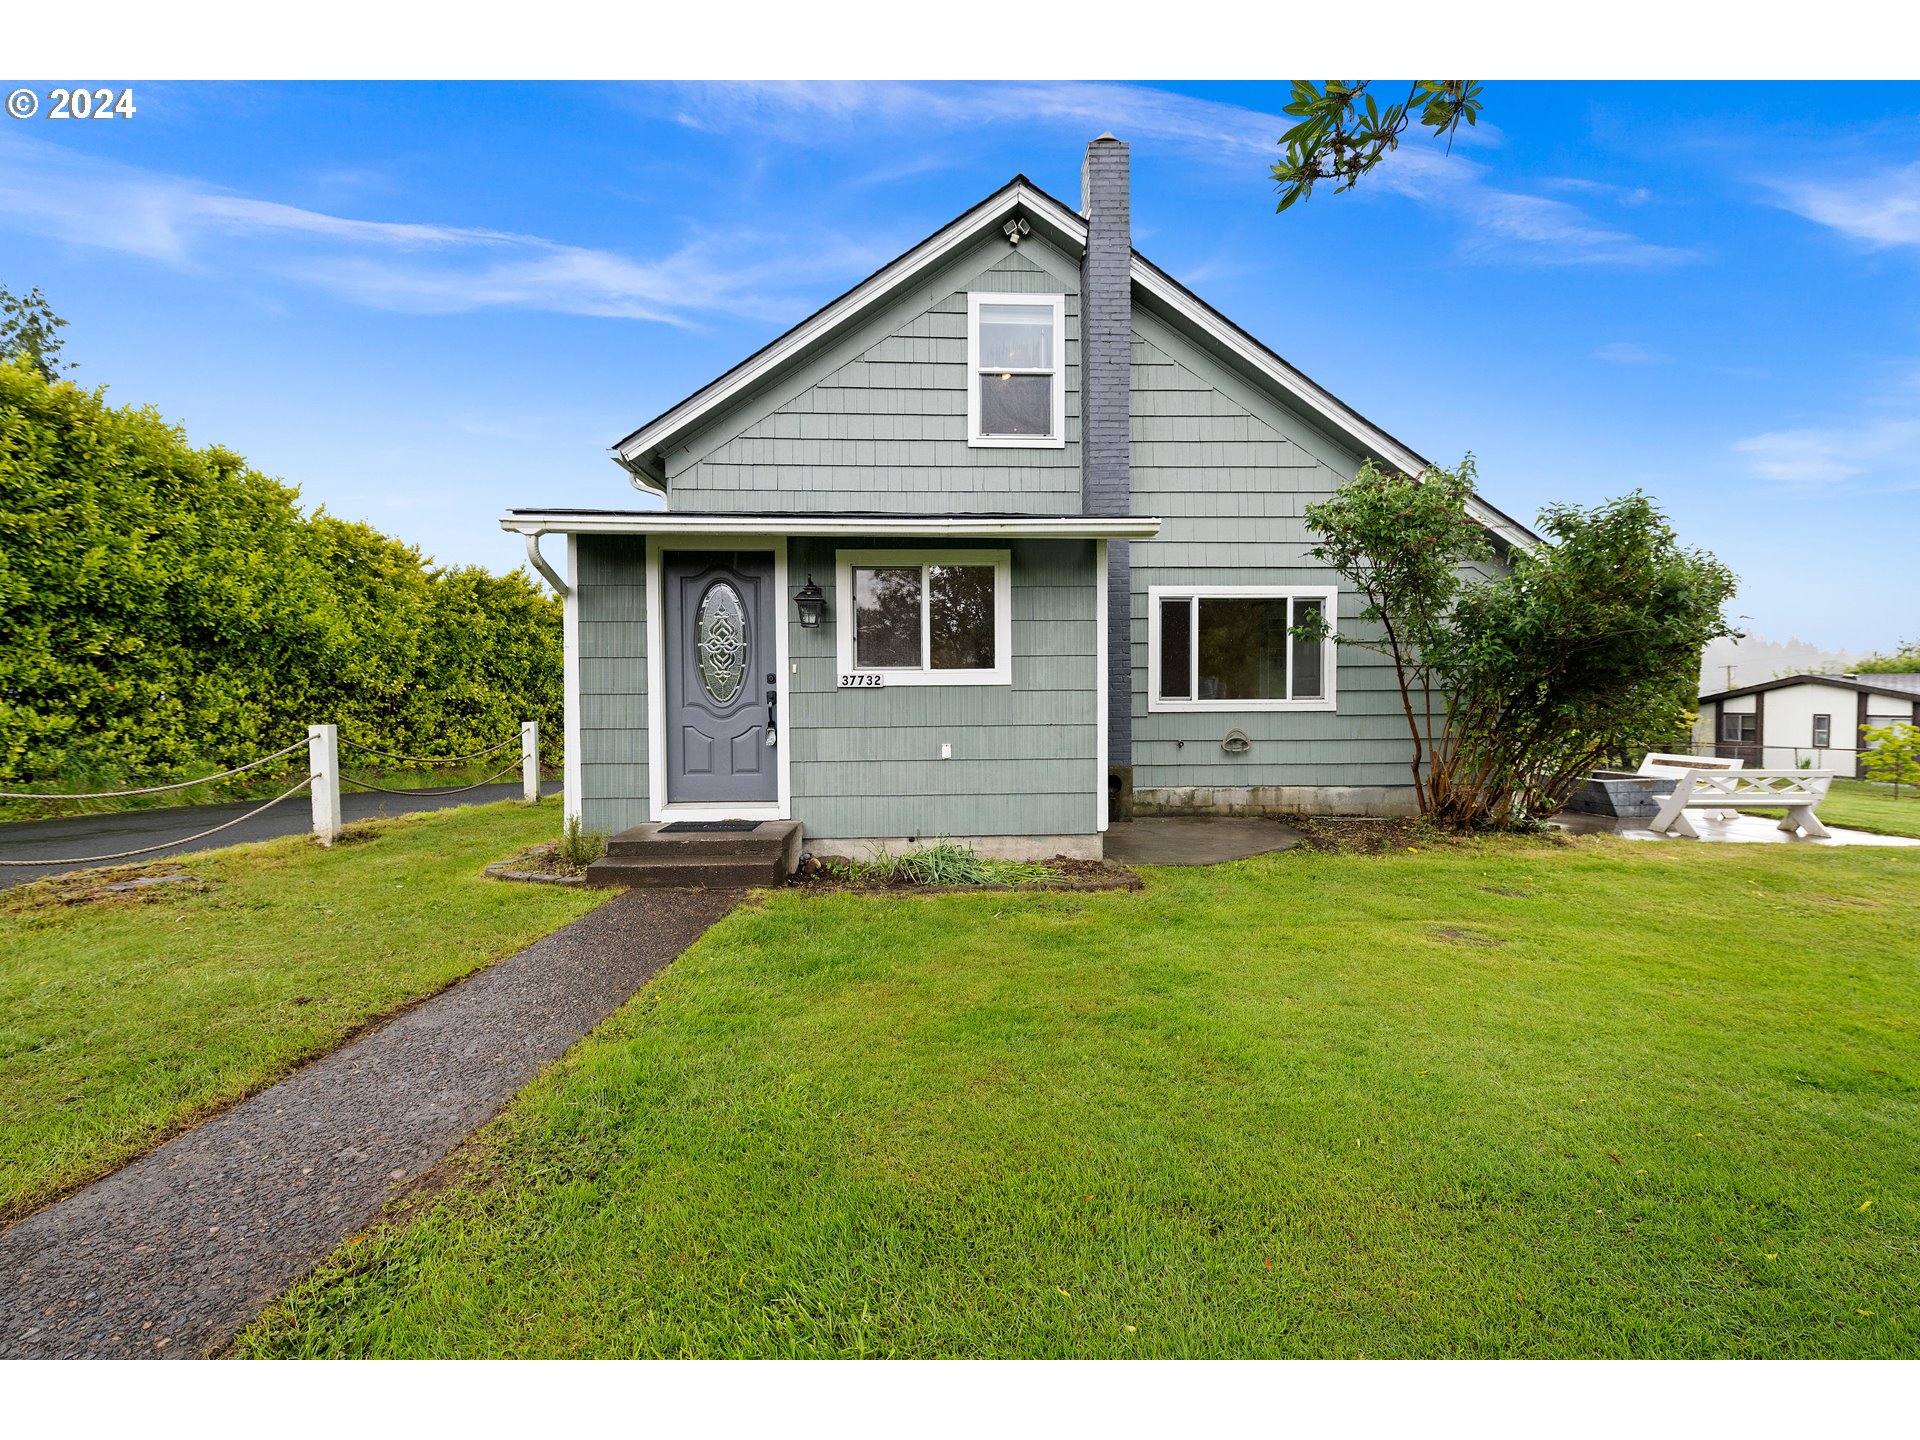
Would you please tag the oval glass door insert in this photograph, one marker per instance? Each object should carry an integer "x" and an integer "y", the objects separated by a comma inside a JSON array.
[{"x": 720, "y": 641}]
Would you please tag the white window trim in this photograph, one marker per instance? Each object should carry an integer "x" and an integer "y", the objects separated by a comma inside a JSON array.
[
  {"x": 977, "y": 298},
  {"x": 1326, "y": 594},
  {"x": 1002, "y": 562}
]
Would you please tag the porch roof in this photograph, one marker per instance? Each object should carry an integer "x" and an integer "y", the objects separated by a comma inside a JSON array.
[{"x": 533, "y": 523}]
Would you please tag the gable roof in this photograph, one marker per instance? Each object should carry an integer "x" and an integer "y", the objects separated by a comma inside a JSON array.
[
  {"x": 1902, "y": 687},
  {"x": 640, "y": 452}
]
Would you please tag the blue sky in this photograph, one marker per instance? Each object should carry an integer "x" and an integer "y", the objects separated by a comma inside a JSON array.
[{"x": 423, "y": 304}]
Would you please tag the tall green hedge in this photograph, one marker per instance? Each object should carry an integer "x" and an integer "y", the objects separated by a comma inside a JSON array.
[{"x": 164, "y": 608}]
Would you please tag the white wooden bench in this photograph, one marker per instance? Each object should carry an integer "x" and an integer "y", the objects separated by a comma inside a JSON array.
[
  {"x": 1795, "y": 791},
  {"x": 1658, "y": 764}
]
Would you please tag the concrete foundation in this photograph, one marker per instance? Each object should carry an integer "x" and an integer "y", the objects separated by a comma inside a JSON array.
[
  {"x": 988, "y": 847},
  {"x": 1380, "y": 800}
]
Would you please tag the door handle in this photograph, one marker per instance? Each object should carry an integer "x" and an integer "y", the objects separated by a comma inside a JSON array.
[{"x": 773, "y": 729}]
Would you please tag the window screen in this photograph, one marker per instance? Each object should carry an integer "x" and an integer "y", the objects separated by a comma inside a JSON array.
[
  {"x": 1308, "y": 655},
  {"x": 1176, "y": 649}
]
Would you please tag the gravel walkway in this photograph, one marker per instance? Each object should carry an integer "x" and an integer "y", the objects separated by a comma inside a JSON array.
[{"x": 172, "y": 1255}]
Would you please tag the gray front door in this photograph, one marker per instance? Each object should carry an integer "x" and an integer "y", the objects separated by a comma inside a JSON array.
[{"x": 718, "y": 619}]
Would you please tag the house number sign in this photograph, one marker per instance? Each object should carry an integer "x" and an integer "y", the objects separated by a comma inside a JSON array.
[{"x": 867, "y": 681}]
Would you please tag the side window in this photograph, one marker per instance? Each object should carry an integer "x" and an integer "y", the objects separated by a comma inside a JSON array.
[
  {"x": 1235, "y": 648},
  {"x": 1822, "y": 731}
]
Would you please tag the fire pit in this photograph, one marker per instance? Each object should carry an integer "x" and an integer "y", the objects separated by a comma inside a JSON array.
[{"x": 1621, "y": 794}]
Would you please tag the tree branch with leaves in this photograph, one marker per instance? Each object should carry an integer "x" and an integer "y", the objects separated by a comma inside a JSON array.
[
  {"x": 1343, "y": 132},
  {"x": 29, "y": 327}
]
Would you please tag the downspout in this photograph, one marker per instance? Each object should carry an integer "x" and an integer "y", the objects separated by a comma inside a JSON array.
[{"x": 539, "y": 562}]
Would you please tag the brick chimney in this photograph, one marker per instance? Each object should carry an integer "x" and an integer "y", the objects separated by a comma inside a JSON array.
[{"x": 1106, "y": 392}]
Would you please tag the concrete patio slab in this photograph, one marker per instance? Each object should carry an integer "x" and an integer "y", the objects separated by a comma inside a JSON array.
[
  {"x": 1196, "y": 839},
  {"x": 1740, "y": 830}
]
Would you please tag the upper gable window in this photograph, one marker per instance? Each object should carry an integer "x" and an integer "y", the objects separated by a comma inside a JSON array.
[{"x": 1016, "y": 370}]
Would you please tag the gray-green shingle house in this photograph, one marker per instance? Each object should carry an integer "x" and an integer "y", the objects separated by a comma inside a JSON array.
[{"x": 1003, "y": 544}]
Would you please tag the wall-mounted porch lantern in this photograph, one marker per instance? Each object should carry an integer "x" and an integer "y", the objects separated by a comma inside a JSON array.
[{"x": 811, "y": 602}]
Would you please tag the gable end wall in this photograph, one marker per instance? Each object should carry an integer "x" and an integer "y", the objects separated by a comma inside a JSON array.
[
  {"x": 1230, "y": 471},
  {"x": 879, "y": 422}
]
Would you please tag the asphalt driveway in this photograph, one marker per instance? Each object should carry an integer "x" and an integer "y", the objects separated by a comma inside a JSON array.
[{"x": 59, "y": 842}]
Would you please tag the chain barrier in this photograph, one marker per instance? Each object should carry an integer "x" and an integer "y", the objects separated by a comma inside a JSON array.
[
  {"x": 170, "y": 844},
  {"x": 428, "y": 794},
  {"x": 156, "y": 789},
  {"x": 431, "y": 759}
]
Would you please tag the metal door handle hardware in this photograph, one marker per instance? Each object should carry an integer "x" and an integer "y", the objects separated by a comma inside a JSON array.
[{"x": 773, "y": 730}]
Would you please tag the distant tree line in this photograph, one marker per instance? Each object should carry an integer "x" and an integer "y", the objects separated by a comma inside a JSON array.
[
  {"x": 166, "y": 611},
  {"x": 1904, "y": 661}
]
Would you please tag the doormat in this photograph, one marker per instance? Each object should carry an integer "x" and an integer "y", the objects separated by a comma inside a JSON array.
[{"x": 706, "y": 827}]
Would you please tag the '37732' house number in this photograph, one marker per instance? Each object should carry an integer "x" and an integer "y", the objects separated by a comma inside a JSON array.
[{"x": 868, "y": 681}]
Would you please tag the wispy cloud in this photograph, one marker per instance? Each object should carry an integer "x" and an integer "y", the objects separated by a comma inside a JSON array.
[
  {"x": 1619, "y": 194},
  {"x": 1880, "y": 210},
  {"x": 1497, "y": 224},
  {"x": 1513, "y": 225},
  {"x": 1820, "y": 458},
  {"x": 404, "y": 265},
  {"x": 851, "y": 108},
  {"x": 1630, "y": 352}
]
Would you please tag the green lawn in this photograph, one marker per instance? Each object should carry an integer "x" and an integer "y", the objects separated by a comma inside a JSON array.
[
  {"x": 122, "y": 1021},
  {"x": 1858, "y": 805},
  {"x": 1506, "y": 1098}
]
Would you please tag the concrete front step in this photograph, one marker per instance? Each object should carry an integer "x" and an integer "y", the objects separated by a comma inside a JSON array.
[
  {"x": 644, "y": 857},
  {"x": 767, "y": 838}
]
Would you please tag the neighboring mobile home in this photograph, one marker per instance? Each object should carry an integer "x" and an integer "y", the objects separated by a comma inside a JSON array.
[
  {"x": 1003, "y": 544},
  {"x": 1816, "y": 721}
]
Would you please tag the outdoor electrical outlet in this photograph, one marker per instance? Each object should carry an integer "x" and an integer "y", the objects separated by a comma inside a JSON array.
[{"x": 946, "y": 752}]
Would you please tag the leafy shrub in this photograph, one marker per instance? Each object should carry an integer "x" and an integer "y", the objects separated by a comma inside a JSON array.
[
  {"x": 1515, "y": 684},
  {"x": 579, "y": 846}
]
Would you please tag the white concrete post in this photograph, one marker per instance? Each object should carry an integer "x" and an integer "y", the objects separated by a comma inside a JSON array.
[
  {"x": 323, "y": 763},
  {"x": 530, "y": 760}
]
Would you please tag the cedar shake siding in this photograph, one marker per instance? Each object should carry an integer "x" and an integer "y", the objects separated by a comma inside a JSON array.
[
  {"x": 880, "y": 421},
  {"x": 1230, "y": 471}
]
